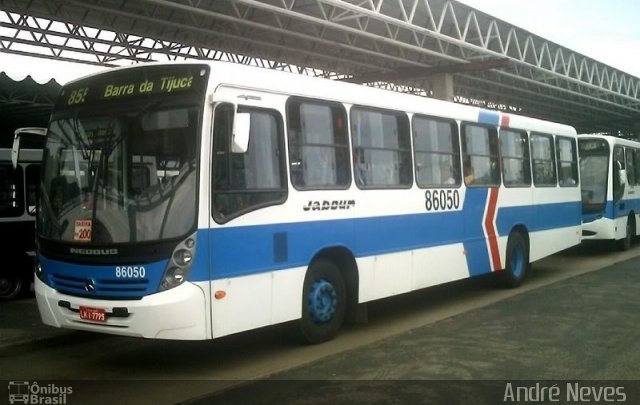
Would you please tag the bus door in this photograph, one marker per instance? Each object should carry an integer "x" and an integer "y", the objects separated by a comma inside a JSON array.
[
  {"x": 594, "y": 169},
  {"x": 632, "y": 189},
  {"x": 619, "y": 183},
  {"x": 248, "y": 176},
  {"x": 481, "y": 173}
]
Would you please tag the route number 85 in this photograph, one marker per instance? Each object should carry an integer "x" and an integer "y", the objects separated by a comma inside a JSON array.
[{"x": 436, "y": 200}]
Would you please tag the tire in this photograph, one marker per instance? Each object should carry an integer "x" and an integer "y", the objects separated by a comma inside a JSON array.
[
  {"x": 517, "y": 261},
  {"x": 324, "y": 301},
  {"x": 10, "y": 287},
  {"x": 625, "y": 243}
]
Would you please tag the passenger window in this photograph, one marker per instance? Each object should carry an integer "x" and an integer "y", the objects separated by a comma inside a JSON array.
[
  {"x": 480, "y": 152},
  {"x": 618, "y": 157},
  {"x": 567, "y": 162},
  {"x": 636, "y": 165},
  {"x": 618, "y": 164},
  {"x": 11, "y": 191},
  {"x": 382, "y": 149},
  {"x": 436, "y": 152},
  {"x": 243, "y": 182},
  {"x": 631, "y": 170},
  {"x": 543, "y": 160},
  {"x": 318, "y": 146},
  {"x": 516, "y": 166},
  {"x": 32, "y": 183}
]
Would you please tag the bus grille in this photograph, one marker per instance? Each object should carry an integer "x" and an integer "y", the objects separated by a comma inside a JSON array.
[{"x": 99, "y": 288}]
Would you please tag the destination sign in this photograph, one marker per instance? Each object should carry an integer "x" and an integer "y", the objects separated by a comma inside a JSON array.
[
  {"x": 593, "y": 146},
  {"x": 141, "y": 81}
]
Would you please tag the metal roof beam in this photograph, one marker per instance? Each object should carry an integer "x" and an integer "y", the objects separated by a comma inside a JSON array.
[
  {"x": 419, "y": 72},
  {"x": 392, "y": 44}
]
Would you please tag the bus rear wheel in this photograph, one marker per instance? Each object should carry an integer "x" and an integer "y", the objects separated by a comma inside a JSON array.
[
  {"x": 517, "y": 261},
  {"x": 323, "y": 302}
]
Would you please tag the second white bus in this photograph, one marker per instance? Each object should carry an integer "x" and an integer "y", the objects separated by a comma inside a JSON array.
[
  {"x": 610, "y": 170},
  {"x": 18, "y": 197}
]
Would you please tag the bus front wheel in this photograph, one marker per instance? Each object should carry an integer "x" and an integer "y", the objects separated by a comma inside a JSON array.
[
  {"x": 323, "y": 302},
  {"x": 630, "y": 231},
  {"x": 517, "y": 261}
]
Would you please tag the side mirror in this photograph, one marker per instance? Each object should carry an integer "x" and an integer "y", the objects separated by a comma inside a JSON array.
[
  {"x": 33, "y": 133},
  {"x": 622, "y": 173},
  {"x": 241, "y": 129}
]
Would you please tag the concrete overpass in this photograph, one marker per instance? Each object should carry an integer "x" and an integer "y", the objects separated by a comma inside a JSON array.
[{"x": 437, "y": 48}]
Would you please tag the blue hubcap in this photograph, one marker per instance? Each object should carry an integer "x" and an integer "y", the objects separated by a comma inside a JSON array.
[
  {"x": 322, "y": 301},
  {"x": 517, "y": 261}
]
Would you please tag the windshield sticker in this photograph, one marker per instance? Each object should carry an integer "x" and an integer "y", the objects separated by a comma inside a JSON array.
[{"x": 82, "y": 231}]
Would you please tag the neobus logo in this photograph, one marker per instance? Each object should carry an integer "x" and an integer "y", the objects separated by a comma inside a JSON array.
[{"x": 95, "y": 252}]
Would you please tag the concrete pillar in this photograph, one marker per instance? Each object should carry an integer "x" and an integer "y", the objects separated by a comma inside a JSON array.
[{"x": 442, "y": 86}]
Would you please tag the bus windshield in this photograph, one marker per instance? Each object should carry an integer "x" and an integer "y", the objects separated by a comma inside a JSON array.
[
  {"x": 120, "y": 172},
  {"x": 594, "y": 164}
]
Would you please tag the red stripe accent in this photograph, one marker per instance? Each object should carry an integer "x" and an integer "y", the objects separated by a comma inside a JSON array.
[
  {"x": 492, "y": 235},
  {"x": 504, "y": 121}
]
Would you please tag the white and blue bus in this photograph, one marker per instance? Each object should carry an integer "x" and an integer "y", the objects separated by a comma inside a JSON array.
[
  {"x": 193, "y": 201},
  {"x": 610, "y": 171},
  {"x": 18, "y": 198}
]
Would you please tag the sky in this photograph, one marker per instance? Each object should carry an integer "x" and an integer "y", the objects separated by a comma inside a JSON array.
[{"x": 605, "y": 30}]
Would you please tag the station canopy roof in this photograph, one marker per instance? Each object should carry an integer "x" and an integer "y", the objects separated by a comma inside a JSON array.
[{"x": 24, "y": 102}]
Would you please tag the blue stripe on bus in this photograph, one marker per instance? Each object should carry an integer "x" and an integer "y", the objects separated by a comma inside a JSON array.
[
  {"x": 614, "y": 210},
  {"x": 72, "y": 279},
  {"x": 472, "y": 235},
  {"x": 246, "y": 250},
  {"x": 249, "y": 250},
  {"x": 539, "y": 217},
  {"x": 624, "y": 208},
  {"x": 489, "y": 117},
  {"x": 237, "y": 251}
]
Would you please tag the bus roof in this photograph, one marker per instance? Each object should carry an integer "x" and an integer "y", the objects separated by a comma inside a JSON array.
[
  {"x": 262, "y": 79},
  {"x": 612, "y": 140}
]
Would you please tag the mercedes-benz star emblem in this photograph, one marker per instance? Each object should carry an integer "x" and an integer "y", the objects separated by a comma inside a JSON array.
[{"x": 90, "y": 285}]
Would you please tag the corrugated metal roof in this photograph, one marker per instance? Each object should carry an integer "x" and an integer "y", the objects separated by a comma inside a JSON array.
[{"x": 24, "y": 103}]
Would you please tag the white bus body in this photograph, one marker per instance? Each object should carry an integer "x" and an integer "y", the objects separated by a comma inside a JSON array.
[
  {"x": 314, "y": 228},
  {"x": 610, "y": 168},
  {"x": 17, "y": 218}
]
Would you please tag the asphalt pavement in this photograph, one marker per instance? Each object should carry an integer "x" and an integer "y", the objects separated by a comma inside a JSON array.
[
  {"x": 580, "y": 336},
  {"x": 20, "y": 324}
]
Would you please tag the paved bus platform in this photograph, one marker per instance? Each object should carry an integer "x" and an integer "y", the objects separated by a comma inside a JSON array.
[
  {"x": 583, "y": 329},
  {"x": 581, "y": 335},
  {"x": 20, "y": 324}
]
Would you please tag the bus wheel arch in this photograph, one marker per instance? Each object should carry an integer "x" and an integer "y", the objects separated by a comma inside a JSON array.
[
  {"x": 516, "y": 258},
  {"x": 330, "y": 291}
]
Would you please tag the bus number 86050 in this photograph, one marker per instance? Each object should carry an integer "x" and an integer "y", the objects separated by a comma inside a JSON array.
[{"x": 437, "y": 200}]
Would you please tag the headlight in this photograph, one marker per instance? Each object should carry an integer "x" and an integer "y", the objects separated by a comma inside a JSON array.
[
  {"x": 172, "y": 278},
  {"x": 182, "y": 257},
  {"x": 179, "y": 264},
  {"x": 37, "y": 269}
]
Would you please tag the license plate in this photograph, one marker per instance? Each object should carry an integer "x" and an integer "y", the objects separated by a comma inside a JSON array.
[{"x": 93, "y": 314}]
